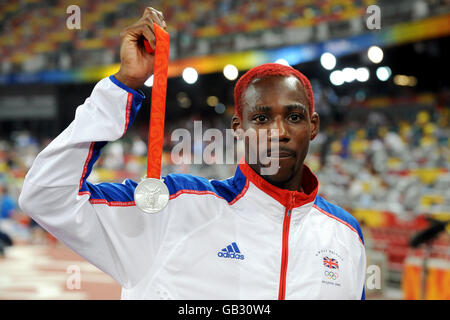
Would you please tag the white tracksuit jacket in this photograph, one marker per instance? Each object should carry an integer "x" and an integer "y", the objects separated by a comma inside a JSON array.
[{"x": 240, "y": 238}]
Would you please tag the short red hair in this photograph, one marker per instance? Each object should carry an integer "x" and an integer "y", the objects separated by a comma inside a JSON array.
[{"x": 267, "y": 70}]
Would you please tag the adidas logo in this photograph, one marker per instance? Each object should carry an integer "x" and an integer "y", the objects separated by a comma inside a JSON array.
[{"x": 231, "y": 251}]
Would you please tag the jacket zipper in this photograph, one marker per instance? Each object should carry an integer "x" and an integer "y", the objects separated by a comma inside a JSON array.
[{"x": 284, "y": 254}]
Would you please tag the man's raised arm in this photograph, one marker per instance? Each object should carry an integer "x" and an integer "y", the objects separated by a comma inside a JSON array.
[{"x": 55, "y": 192}]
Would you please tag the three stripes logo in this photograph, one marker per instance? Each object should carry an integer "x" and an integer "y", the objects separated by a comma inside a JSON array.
[{"x": 231, "y": 251}]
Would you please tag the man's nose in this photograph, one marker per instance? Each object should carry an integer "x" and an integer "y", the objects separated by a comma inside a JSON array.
[{"x": 279, "y": 131}]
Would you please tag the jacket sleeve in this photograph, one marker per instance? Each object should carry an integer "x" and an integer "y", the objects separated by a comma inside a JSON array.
[
  {"x": 82, "y": 215},
  {"x": 361, "y": 267}
]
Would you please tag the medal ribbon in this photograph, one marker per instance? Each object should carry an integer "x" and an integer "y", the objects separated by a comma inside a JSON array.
[{"x": 158, "y": 104}]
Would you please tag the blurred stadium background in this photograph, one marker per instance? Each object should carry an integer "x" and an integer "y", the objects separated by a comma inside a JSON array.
[{"x": 383, "y": 151}]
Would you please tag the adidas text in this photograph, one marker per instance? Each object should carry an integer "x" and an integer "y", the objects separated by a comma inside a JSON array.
[{"x": 230, "y": 255}]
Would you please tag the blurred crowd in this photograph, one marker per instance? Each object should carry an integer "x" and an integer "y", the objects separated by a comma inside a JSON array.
[
  {"x": 401, "y": 168},
  {"x": 45, "y": 42},
  {"x": 16, "y": 156}
]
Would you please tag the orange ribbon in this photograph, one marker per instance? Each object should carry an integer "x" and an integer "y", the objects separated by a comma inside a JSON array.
[{"x": 158, "y": 106}]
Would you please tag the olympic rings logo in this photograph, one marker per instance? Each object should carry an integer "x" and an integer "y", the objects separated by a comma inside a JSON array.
[{"x": 331, "y": 275}]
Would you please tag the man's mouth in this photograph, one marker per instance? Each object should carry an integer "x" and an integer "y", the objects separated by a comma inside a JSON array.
[{"x": 282, "y": 153}]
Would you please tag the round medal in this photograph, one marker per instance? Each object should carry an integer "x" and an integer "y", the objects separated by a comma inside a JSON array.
[{"x": 151, "y": 195}]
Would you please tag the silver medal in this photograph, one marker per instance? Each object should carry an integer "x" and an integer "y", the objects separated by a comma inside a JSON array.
[{"x": 151, "y": 195}]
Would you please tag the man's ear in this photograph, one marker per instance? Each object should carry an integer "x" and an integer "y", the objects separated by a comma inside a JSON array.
[{"x": 315, "y": 125}]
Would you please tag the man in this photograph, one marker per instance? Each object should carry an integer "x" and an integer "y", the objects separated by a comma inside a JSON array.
[{"x": 247, "y": 237}]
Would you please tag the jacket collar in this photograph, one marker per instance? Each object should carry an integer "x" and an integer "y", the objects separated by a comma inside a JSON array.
[{"x": 289, "y": 199}]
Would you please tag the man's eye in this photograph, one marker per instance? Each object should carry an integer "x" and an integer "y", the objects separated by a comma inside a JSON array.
[
  {"x": 260, "y": 118},
  {"x": 295, "y": 117}
]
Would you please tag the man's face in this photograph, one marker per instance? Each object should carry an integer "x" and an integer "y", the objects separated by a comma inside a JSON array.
[{"x": 278, "y": 102}]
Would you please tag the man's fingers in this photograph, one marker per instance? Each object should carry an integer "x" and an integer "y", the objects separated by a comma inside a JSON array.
[
  {"x": 144, "y": 27},
  {"x": 141, "y": 30},
  {"x": 148, "y": 22},
  {"x": 161, "y": 18},
  {"x": 149, "y": 35},
  {"x": 156, "y": 16}
]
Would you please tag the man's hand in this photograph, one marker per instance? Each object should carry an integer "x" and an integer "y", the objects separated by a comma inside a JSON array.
[{"x": 136, "y": 64}]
